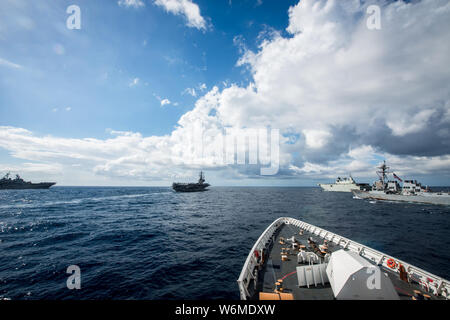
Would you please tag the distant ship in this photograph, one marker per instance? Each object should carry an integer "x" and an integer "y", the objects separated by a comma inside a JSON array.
[
  {"x": 410, "y": 191},
  {"x": 191, "y": 187},
  {"x": 18, "y": 183},
  {"x": 344, "y": 185}
]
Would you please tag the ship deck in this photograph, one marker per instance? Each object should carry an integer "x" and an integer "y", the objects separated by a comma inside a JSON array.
[{"x": 274, "y": 268}]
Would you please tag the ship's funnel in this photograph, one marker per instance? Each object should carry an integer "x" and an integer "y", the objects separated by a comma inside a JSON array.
[{"x": 354, "y": 278}]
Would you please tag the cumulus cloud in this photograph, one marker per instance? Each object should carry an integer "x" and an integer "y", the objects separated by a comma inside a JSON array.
[
  {"x": 315, "y": 138},
  {"x": 131, "y": 155},
  {"x": 338, "y": 85},
  {"x": 124, "y": 154},
  {"x": 186, "y": 8},
  {"x": 333, "y": 75}
]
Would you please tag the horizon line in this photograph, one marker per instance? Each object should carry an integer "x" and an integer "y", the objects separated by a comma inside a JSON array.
[{"x": 221, "y": 186}]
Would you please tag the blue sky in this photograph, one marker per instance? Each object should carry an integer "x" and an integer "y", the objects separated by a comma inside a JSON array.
[
  {"x": 93, "y": 71},
  {"x": 113, "y": 102}
]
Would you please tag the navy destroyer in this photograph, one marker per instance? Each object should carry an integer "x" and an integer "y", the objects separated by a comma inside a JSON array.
[
  {"x": 18, "y": 183},
  {"x": 191, "y": 187},
  {"x": 294, "y": 260},
  {"x": 409, "y": 190}
]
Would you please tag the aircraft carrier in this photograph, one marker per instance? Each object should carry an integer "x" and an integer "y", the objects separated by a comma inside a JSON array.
[{"x": 191, "y": 187}]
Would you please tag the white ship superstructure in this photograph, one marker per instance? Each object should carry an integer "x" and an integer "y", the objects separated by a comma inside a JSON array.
[{"x": 343, "y": 185}]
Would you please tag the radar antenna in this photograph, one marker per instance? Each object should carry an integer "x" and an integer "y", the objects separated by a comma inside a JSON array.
[{"x": 382, "y": 173}]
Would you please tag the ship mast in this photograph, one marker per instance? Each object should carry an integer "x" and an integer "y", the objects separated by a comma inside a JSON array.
[{"x": 382, "y": 174}]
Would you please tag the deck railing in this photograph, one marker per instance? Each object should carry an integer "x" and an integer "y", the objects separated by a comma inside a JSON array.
[
  {"x": 434, "y": 284},
  {"x": 248, "y": 271}
]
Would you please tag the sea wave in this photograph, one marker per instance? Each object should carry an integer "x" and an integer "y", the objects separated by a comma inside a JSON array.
[{"x": 151, "y": 243}]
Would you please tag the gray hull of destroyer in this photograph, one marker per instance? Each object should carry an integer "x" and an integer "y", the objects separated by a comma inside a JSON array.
[{"x": 431, "y": 198}]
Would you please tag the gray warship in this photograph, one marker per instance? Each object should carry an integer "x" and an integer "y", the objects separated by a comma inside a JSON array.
[
  {"x": 18, "y": 183},
  {"x": 409, "y": 191},
  {"x": 191, "y": 187},
  {"x": 294, "y": 260}
]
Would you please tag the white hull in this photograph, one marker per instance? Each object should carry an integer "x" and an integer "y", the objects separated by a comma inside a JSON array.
[{"x": 347, "y": 187}]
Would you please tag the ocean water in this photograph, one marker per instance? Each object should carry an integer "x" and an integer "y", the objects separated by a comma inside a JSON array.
[{"x": 152, "y": 243}]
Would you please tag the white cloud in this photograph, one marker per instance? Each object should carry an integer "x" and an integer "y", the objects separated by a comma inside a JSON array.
[
  {"x": 190, "y": 91},
  {"x": 332, "y": 73},
  {"x": 410, "y": 123},
  {"x": 187, "y": 8},
  {"x": 9, "y": 64},
  {"x": 28, "y": 167},
  {"x": 131, "y": 155},
  {"x": 316, "y": 138},
  {"x": 193, "y": 92},
  {"x": 361, "y": 162},
  {"x": 164, "y": 102},
  {"x": 134, "y": 82},
  {"x": 131, "y": 3},
  {"x": 66, "y": 109}
]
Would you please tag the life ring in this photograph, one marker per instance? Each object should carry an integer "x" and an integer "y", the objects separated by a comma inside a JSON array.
[{"x": 391, "y": 263}]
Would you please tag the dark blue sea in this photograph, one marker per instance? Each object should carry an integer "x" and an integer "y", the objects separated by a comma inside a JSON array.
[{"x": 152, "y": 243}]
